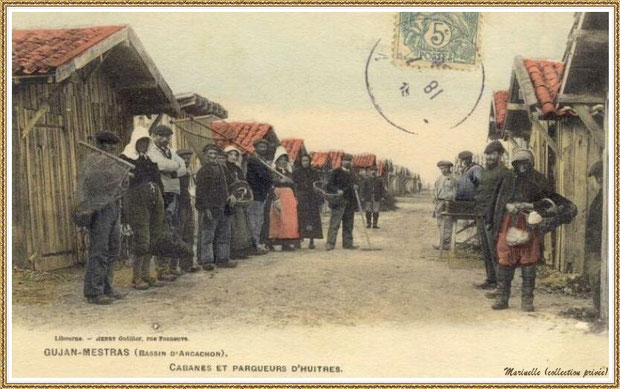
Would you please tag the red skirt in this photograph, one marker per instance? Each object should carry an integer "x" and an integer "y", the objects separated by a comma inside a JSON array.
[
  {"x": 283, "y": 223},
  {"x": 525, "y": 254}
]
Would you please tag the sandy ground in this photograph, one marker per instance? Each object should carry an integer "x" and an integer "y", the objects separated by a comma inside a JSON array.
[{"x": 398, "y": 312}]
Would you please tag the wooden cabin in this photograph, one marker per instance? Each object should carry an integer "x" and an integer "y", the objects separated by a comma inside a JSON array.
[
  {"x": 557, "y": 109},
  {"x": 400, "y": 181},
  {"x": 243, "y": 135},
  {"x": 364, "y": 161},
  {"x": 295, "y": 148},
  {"x": 69, "y": 84},
  {"x": 327, "y": 160},
  {"x": 192, "y": 129}
]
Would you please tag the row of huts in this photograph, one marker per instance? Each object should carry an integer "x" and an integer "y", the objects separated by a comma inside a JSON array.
[
  {"x": 69, "y": 84},
  {"x": 559, "y": 110}
]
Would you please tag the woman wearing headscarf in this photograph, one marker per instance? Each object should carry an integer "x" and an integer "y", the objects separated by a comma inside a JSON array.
[
  {"x": 309, "y": 201},
  {"x": 283, "y": 223},
  {"x": 241, "y": 239}
]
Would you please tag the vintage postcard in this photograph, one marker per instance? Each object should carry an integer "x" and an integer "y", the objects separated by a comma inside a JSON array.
[{"x": 310, "y": 195}]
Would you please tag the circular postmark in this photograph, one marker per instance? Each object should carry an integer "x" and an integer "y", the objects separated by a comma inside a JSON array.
[{"x": 422, "y": 84}]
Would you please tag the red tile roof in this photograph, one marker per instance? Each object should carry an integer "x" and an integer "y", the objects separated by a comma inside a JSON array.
[
  {"x": 364, "y": 160},
  {"x": 546, "y": 77},
  {"x": 500, "y": 101},
  {"x": 293, "y": 147},
  {"x": 380, "y": 168},
  {"x": 321, "y": 159},
  {"x": 242, "y": 134},
  {"x": 42, "y": 51}
]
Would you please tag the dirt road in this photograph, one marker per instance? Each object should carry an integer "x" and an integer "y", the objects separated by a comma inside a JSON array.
[{"x": 398, "y": 312}]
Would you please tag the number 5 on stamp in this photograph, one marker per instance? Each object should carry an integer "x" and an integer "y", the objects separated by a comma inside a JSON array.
[{"x": 426, "y": 39}]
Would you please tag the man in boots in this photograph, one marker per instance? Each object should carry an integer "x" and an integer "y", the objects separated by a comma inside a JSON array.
[
  {"x": 186, "y": 211},
  {"x": 214, "y": 202},
  {"x": 523, "y": 191},
  {"x": 444, "y": 192},
  {"x": 372, "y": 194},
  {"x": 495, "y": 171},
  {"x": 104, "y": 240},
  {"x": 171, "y": 167},
  {"x": 343, "y": 182},
  {"x": 260, "y": 180}
]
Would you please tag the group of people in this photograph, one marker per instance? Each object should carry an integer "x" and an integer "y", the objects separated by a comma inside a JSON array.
[
  {"x": 513, "y": 208},
  {"x": 241, "y": 212}
]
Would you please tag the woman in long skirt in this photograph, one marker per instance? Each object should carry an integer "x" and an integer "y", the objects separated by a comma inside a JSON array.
[
  {"x": 283, "y": 223},
  {"x": 241, "y": 237},
  {"x": 309, "y": 201}
]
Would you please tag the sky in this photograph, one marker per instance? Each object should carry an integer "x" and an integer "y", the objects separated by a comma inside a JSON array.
[{"x": 305, "y": 74}]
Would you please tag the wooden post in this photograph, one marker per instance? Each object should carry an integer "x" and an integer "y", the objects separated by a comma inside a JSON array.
[
  {"x": 20, "y": 251},
  {"x": 604, "y": 250}
]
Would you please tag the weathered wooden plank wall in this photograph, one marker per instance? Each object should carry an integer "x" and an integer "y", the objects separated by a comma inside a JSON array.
[
  {"x": 579, "y": 152},
  {"x": 49, "y": 162}
]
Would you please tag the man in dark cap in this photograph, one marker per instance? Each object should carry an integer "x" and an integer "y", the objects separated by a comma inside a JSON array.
[
  {"x": 104, "y": 240},
  {"x": 494, "y": 172},
  {"x": 444, "y": 191},
  {"x": 186, "y": 210},
  {"x": 372, "y": 192},
  {"x": 214, "y": 201},
  {"x": 469, "y": 177},
  {"x": 260, "y": 180},
  {"x": 343, "y": 182},
  {"x": 594, "y": 230},
  {"x": 171, "y": 166}
]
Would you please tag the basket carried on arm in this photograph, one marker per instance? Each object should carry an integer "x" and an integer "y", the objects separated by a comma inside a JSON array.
[
  {"x": 333, "y": 199},
  {"x": 242, "y": 192}
]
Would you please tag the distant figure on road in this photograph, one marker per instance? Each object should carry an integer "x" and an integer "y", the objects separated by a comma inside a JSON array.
[
  {"x": 444, "y": 192},
  {"x": 342, "y": 181},
  {"x": 372, "y": 193}
]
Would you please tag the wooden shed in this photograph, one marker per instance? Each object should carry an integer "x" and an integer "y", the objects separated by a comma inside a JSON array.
[
  {"x": 557, "y": 109},
  {"x": 67, "y": 85},
  {"x": 192, "y": 128},
  {"x": 295, "y": 148},
  {"x": 243, "y": 135}
]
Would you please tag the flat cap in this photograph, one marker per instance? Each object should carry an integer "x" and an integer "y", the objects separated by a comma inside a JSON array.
[
  {"x": 465, "y": 154},
  {"x": 211, "y": 146},
  {"x": 347, "y": 157},
  {"x": 522, "y": 155},
  {"x": 495, "y": 146},
  {"x": 162, "y": 130},
  {"x": 182, "y": 152},
  {"x": 261, "y": 140},
  {"x": 107, "y": 137},
  {"x": 596, "y": 170},
  {"x": 444, "y": 163}
]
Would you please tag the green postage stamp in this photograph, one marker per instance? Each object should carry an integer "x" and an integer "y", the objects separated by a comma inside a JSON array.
[{"x": 445, "y": 40}]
